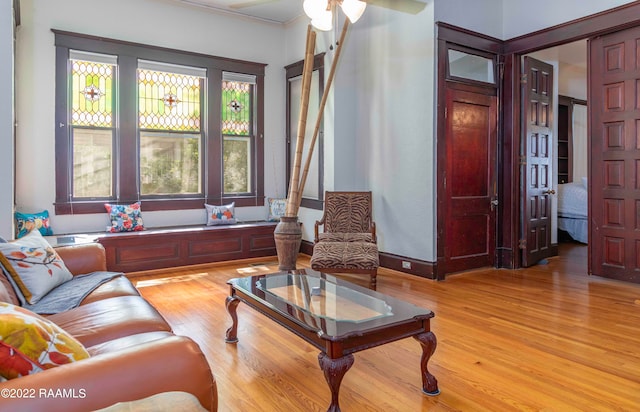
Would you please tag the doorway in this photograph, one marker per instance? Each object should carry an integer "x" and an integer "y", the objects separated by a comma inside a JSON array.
[
  {"x": 617, "y": 250},
  {"x": 569, "y": 203},
  {"x": 467, "y": 150},
  {"x": 510, "y": 247}
]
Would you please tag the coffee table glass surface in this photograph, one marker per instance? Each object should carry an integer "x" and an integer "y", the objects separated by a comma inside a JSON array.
[{"x": 327, "y": 305}]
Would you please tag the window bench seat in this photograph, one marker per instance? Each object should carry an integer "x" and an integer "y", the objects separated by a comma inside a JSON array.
[{"x": 159, "y": 248}]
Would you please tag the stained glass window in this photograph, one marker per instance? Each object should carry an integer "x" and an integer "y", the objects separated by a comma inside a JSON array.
[
  {"x": 237, "y": 132},
  {"x": 91, "y": 94},
  {"x": 130, "y": 128},
  {"x": 170, "y": 138},
  {"x": 236, "y": 108},
  {"x": 93, "y": 79},
  {"x": 168, "y": 101}
]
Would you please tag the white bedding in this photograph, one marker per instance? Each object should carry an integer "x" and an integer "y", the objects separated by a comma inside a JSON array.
[
  {"x": 572, "y": 210},
  {"x": 572, "y": 200},
  {"x": 576, "y": 228}
]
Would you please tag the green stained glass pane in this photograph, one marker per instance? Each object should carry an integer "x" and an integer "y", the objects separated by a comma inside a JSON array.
[
  {"x": 236, "y": 108},
  {"x": 91, "y": 94},
  {"x": 168, "y": 101}
]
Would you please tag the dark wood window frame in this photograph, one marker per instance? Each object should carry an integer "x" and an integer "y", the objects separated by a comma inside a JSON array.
[
  {"x": 468, "y": 50},
  {"x": 126, "y": 168},
  {"x": 295, "y": 70}
]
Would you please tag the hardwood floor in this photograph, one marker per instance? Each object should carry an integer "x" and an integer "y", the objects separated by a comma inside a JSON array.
[{"x": 545, "y": 338}]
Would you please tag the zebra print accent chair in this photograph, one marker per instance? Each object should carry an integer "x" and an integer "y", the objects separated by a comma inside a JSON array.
[{"x": 348, "y": 243}]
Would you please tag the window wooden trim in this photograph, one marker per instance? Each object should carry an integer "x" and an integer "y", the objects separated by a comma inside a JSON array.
[
  {"x": 127, "y": 162},
  {"x": 295, "y": 70},
  {"x": 471, "y": 51}
]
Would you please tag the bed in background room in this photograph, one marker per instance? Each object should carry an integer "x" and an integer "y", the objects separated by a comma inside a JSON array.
[{"x": 572, "y": 209}]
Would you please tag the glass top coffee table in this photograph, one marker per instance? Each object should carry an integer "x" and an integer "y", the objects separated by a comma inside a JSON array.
[{"x": 337, "y": 317}]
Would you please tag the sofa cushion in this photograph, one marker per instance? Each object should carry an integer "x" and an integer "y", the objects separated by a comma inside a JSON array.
[
  {"x": 118, "y": 286},
  {"x": 83, "y": 258},
  {"x": 108, "y": 319},
  {"x": 30, "y": 343},
  {"x": 165, "y": 401},
  {"x": 7, "y": 293},
  {"x": 34, "y": 265},
  {"x": 126, "y": 342}
]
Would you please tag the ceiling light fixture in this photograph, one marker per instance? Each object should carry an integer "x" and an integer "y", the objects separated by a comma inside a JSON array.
[{"x": 321, "y": 11}]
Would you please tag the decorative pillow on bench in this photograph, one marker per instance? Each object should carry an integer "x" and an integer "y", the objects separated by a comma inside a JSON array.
[
  {"x": 124, "y": 218},
  {"x": 277, "y": 208},
  {"x": 26, "y": 222},
  {"x": 34, "y": 265},
  {"x": 220, "y": 215}
]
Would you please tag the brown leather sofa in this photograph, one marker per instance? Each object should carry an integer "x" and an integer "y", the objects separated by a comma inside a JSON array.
[{"x": 134, "y": 353}]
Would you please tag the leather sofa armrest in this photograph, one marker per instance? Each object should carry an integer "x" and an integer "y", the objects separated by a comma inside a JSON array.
[
  {"x": 175, "y": 363},
  {"x": 85, "y": 258}
]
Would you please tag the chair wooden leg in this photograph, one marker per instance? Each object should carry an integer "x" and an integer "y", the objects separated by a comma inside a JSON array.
[{"x": 374, "y": 274}]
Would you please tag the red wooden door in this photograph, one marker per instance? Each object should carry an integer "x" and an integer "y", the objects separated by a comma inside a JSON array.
[
  {"x": 536, "y": 166},
  {"x": 614, "y": 201},
  {"x": 470, "y": 180}
]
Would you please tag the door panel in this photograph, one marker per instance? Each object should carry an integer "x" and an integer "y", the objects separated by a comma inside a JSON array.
[
  {"x": 536, "y": 161},
  {"x": 614, "y": 201},
  {"x": 471, "y": 121}
]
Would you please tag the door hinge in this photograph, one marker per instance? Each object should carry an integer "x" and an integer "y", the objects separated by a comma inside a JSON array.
[
  {"x": 523, "y": 79},
  {"x": 523, "y": 160},
  {"x": 522, "y": 244},
  {"x": 445, "y": 112}
]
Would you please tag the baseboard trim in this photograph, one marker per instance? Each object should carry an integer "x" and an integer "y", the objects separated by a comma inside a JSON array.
[{"x": 418, "y": 267}]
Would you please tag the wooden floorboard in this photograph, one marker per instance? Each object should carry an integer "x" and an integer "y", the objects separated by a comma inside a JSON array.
[{"x": 547, "y": 338}]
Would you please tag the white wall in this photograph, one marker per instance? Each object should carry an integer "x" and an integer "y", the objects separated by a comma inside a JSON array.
[
  {"x": 6, "y": 118},
  {"x": 161, "y": 23},
  {"x": 524, "y": 16},
  {"x": 379, "y": 127},
  {"x": 573, "y": 81},
  {"x": 395, "y": 126},
  {"x": 506, "y": 19},
  {"x": 482, "y": 16}
]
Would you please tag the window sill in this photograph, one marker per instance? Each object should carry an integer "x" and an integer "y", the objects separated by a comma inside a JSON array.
[{"x": 149, "y": 205}]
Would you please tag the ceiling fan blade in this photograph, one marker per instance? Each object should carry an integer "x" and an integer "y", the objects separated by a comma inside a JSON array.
[
  {"x": 406, "y": 6},
  {"x": 250, "y": 3}
]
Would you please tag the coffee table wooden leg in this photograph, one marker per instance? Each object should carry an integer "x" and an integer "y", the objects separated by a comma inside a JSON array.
[
  {"x": 334, "y": 370},
  {"x": 429, "y": 382},
  {"x": 232, "y": 332}
]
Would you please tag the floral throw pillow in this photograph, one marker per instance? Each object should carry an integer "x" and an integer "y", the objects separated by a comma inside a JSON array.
[
  {"x": 124, "y": 218},
  {"x": 277, "y": 208},
  {"x": 221, "y": 215},
  {"x": 30, "y": 343},
  {"x": 34, "y": 266},
  {"x": 26, "y": 222}
]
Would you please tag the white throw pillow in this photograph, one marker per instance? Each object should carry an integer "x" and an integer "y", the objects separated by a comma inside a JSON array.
[
  {"x": 221, "y": 215},
  {"x": 34, "y": 265}
]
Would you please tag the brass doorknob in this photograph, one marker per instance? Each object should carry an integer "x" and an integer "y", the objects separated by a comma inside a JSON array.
[{"x": 549, "y": 192}]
